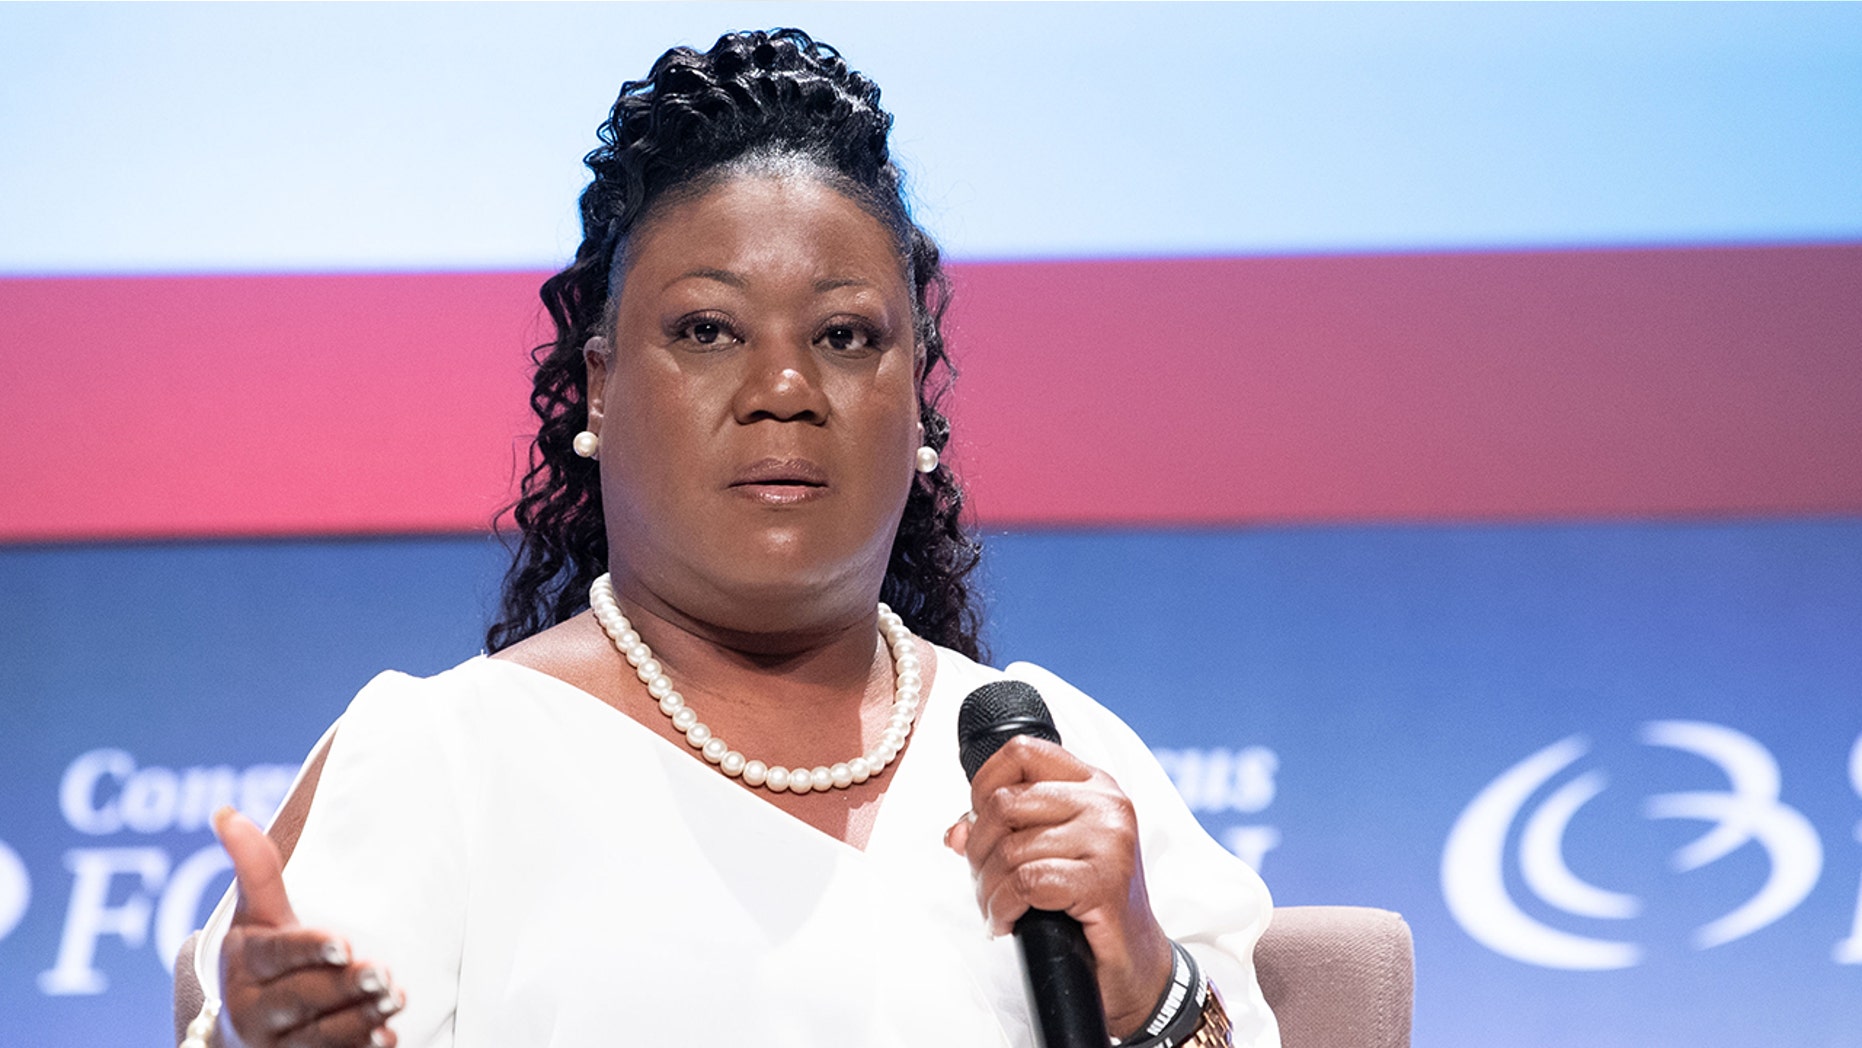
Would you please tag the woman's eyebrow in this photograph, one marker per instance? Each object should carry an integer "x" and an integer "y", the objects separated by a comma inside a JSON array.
[
  {"x": 722, "y": 276},
  {"x": 832, "y": 283}
]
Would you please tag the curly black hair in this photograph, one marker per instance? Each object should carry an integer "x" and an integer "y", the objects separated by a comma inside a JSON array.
[{"x": 754, "y": 99}]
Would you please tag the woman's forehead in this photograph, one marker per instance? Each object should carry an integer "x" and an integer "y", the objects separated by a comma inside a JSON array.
[{"x": 765, "y": 225}]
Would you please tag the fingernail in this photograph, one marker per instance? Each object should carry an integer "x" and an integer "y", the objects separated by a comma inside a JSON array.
[
  {"x": 388, "y": 1004},
  {"x": 372, "y": 982},
  {"x": 334, "y": 953},
  {"x": 379, "y": 1037}
]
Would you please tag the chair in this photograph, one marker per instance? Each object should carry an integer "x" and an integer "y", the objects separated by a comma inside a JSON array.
[
  {"x": 188, "y": 995},
  {"x": 1335, "y": 976},
  {"x": 1338, "y": 976}
]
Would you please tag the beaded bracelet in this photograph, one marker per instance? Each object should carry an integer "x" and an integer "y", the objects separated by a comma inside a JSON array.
[{"x": 1179, "y": 1013}]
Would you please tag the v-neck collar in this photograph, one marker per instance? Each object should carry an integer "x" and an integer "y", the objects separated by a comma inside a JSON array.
[{"x": 905, "y": 771}]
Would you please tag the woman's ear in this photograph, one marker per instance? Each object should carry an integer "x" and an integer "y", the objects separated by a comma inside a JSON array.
[{"x": 596, "y": 355}]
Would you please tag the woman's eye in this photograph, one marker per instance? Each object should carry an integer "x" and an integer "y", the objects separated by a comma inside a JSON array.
[
  {"x": 705, "y": 332},
  {"x": 846, "y": 337}
]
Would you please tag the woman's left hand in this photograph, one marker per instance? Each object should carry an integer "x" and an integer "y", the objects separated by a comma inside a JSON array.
[{"x": 1050, "y": 832}]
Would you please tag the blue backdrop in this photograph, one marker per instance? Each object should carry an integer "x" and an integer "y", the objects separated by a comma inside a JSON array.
[{"x": 1331, "y": 700}]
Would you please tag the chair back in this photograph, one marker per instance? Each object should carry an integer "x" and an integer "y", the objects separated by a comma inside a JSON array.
[
  {"x": 188, "y": 994},
  {"x": 1338, "y": 976}
]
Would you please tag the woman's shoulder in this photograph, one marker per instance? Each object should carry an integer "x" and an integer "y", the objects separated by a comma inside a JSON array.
[
  {"x": 1085, "y": 724},
  {"x": 391, "y": 688},
  {"x": 397, "y": 702}
]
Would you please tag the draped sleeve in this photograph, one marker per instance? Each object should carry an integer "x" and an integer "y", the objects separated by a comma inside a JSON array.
[{"x": 382, "y": 856}]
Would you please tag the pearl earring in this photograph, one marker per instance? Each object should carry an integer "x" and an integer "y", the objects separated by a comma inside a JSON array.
[
  {"x": 586, "y": 444},
  {"x": 927, "y": 459}
]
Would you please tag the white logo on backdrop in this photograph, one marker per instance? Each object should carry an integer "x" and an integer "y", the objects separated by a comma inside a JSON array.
[
  {"x": 15, "y": 890},
  {"x": 1849, "y": 951},
  {"x": 135, "y": 887},
  {"x": 1220, "y": 780},
  {"x": 1474, "y": 861}
]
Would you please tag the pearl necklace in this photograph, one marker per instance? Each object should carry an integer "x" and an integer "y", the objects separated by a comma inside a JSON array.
[{"x": 907, "y": 688}]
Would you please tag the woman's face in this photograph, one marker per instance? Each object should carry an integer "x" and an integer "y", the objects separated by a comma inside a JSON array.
[{"x": 757, "y": 408}]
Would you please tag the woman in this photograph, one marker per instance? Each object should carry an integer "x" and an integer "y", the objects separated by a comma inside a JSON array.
[{"x": 737, "y": 463}]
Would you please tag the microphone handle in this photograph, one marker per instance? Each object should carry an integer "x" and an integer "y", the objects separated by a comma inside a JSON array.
[{"x": 1061, "y": 980}]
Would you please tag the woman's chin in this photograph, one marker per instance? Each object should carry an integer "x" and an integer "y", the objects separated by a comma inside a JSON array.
[{"x": 791, "y": 596}]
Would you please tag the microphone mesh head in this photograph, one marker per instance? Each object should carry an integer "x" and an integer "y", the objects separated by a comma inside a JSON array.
[{"x": 996, "y": 712}]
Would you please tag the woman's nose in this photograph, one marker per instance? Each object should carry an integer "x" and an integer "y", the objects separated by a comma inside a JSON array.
[{"x": 782, "y": 381}]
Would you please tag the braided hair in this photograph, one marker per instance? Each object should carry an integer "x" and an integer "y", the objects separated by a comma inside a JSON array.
[{"x": 753, "y": 101}]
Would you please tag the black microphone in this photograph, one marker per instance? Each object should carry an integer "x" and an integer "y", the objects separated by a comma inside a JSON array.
[{"x": 1058, "y": 963}]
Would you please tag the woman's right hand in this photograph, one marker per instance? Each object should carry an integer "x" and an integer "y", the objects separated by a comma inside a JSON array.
[{"x": 282, "y": 985}]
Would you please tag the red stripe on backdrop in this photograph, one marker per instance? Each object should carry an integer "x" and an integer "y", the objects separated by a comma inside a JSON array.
[
  {"x": 1465, "y": 386},
  {"x": 178, "y": 406},
  {"x": 1430, "y": 387}
]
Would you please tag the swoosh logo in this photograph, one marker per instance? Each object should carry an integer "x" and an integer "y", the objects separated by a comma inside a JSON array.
[
  {"x": 1474, "y": 869},
  {"x": 1474, "y": 860}
]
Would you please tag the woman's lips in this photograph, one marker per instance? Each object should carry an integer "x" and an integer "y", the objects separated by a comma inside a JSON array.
[{"x": 781, "y": 482}]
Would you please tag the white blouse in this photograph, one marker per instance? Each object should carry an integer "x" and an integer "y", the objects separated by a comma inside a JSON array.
[{"x": 536, "y": 868}]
